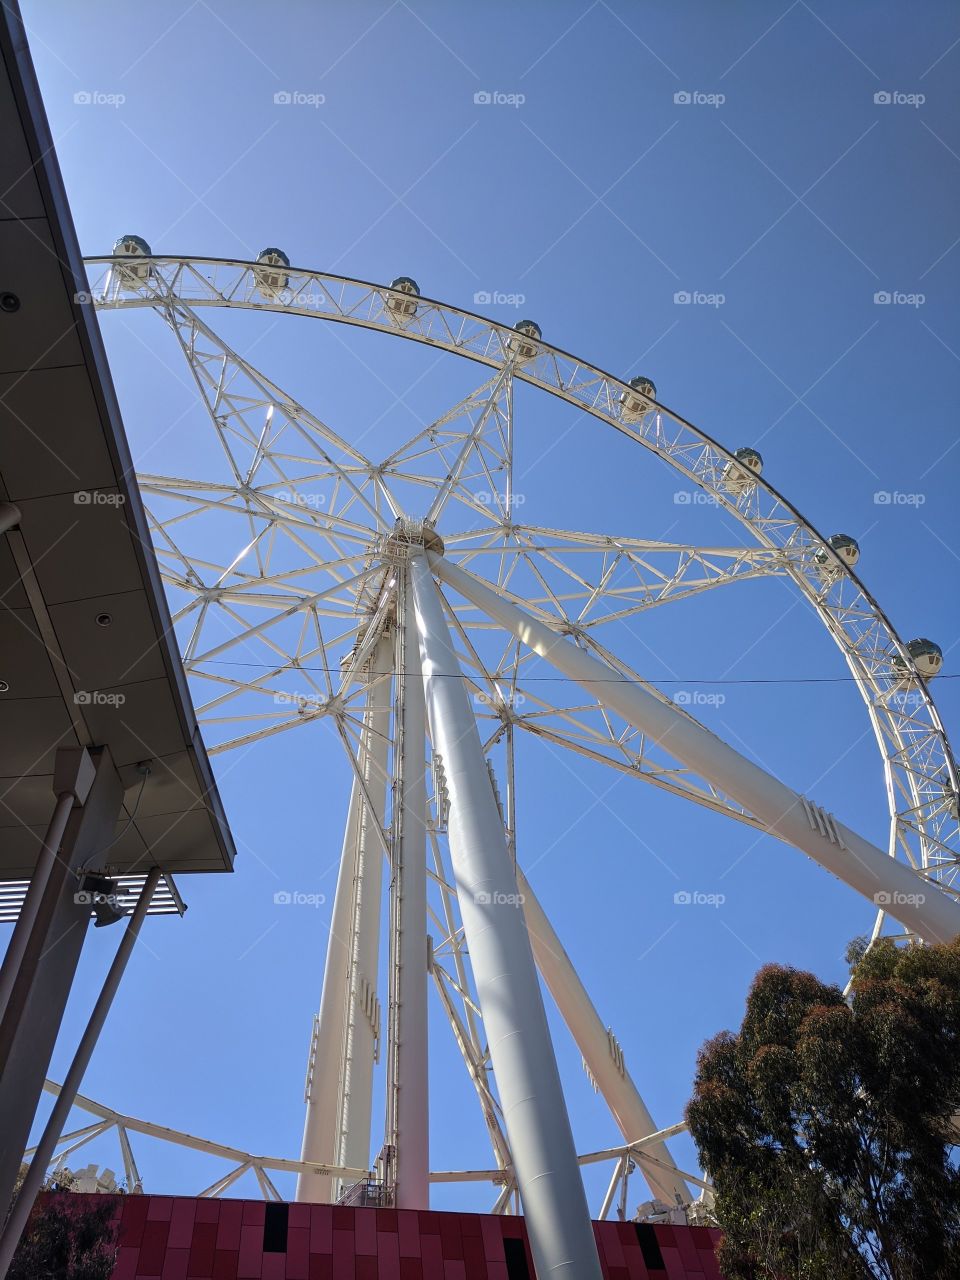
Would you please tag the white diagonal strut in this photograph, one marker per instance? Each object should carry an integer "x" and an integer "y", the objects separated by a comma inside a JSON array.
[
  {"x": 600, "y": 1053},
  {"x": 916, "y": 902}
]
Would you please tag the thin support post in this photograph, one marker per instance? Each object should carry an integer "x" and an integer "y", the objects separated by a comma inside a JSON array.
[
  {"x": 915, "y": 901},
  {"x": 72, "y": 779},
  {"x": 65, "y": 1099},
  {"x": 340, "y": 1071},
  {"x": 600, "y": 1051},
  {"x": 407, "y": 1102},
  {"x": 528, "y": 1081}
]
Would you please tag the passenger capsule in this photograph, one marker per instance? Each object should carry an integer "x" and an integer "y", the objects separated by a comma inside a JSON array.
[
  {"x": 638, "y": 400},
  {"x": 847, "y": 548},
  {"x": 740, "y": 476},
  {"x": 522, "y": 343},
  {"x": 271, "y": 274},
  {"x": 927, "y": 659},
  {"x": 133, "y": 247},
  {"x": 402, "y": 300}
]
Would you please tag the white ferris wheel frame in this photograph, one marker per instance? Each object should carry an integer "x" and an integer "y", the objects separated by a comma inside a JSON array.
[{"x": 919, "y": 770}]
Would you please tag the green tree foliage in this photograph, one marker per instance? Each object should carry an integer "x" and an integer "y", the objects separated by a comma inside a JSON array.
[
  {"x": 68, "y": 1237},
  {"x": 827, "y": 1124}
]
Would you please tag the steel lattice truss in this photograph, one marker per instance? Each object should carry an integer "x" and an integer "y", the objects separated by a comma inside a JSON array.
[{"x": 280, "y": 562}]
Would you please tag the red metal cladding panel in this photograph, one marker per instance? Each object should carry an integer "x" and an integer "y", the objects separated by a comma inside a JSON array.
[
  {"x": 250, "y": 1260},
  {"x": 344, "y": 1254},
  {"x": 608, "y": 1240},
  {"x": 388, "y": 1252},
  {"x": 408, "y": 1233},
  {"x": 411, "y": 1269},
  {"x": 160, "y": 1208},
  {"x": 208, "y": 1209},
  {"x": 175, "y": 1264},
  {"x": 126, "y": 1268},
  {"x": 274, "y": 1267},
  {"x": 153, "y": 1246},
  {"x": 133, "y": 1219},
  {"x": 321, "y": 1268},
  {"x": 225, "y": 1264},
  {"x": 451, "y": 1239},
  {"x": 228, "y": 1227},
  {"x": 181, "y": 1223},
  {"x": 368, "y": 1268},
  {"x": 431, "y": 1255},
  {"x": 202, "y": 1250},
  {"x": 321, "y": 1229},
  {"x": 492, "y": 1236},
  {"x": 254, "y": 1212},
  {"x": 365, "y": 1232},
  {"x": 453, "y": 1269},
  {"x": 298, "y": 1250}
]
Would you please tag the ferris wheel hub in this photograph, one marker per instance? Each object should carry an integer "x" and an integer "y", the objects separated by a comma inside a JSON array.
[{"x": 410, "y": 535}]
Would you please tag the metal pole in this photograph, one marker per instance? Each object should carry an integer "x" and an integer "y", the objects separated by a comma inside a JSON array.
[
  {"x": 339, "y": 1078},
  {"x": 599, "y": 1051},
  {"x": 535, "y": 1114},
  {"x": 74, "y": 1078},
  {"x": 408, "y": 1105},
  {"x": 73, "y": 777},
  {"x": 326, "y": 1047},
  {"x": 362, "y": 1038},
  {"x": 916, "y": 902},
  {"x": 9, "y": 516}
]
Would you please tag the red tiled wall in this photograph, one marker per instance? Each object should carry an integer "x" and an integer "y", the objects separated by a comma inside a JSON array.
[{"x": 172, "y": 1238}]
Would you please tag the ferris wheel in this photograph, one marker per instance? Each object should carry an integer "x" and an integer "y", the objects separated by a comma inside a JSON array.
[{"x": 403, "y": 600}]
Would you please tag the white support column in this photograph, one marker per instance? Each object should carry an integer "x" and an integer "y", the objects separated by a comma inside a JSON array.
[
  {"x": 340, "y": 1078},
  {"x": 408, "y": 1112},
  {"x": 593, "y": 1040},
  {"x": 528, "y": 1082},
  {"x": 911, "y": 899}
]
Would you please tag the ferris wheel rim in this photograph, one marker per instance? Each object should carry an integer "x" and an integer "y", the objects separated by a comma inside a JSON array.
[{"x": 890, "y": 740}]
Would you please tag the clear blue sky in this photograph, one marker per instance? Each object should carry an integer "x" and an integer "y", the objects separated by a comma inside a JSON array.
[{"x": 797, "y": 197}]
